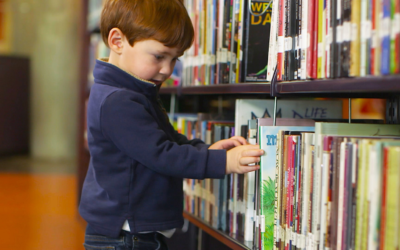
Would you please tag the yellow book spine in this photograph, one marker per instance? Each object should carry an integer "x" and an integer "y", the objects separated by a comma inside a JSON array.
[
  {"x": 392, "y": 201},
  {"x": 355, "y": 38}
]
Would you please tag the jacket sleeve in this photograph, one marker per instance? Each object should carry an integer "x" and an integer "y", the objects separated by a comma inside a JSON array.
[{"x": 127, "y": 120}]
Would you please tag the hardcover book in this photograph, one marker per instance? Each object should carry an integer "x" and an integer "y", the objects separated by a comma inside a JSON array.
[{"x": 258, "y": 40}]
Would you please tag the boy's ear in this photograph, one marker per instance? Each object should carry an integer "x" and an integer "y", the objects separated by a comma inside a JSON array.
[{"x": 115, "y": 40}]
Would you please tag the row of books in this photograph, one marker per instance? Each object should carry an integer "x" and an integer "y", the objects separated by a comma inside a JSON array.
[
  {"x": 228, "y": 204},
  {"x": 308, "y": 39},
  {"x": 331, "y": 185},
  {"x": 291, "y": 202}
]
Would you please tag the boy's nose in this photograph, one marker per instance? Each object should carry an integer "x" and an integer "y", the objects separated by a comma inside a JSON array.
[{"x": 167, "y": 69}]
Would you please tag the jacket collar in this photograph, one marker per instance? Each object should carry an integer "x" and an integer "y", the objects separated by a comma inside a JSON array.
[{"x": 107, "y": 73}]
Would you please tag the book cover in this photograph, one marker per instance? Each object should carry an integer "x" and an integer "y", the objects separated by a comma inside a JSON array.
[
  {"x": 258, "y": 41},
  {"x": 247, "y": 109},
  {"x": 267, "y": 142}
]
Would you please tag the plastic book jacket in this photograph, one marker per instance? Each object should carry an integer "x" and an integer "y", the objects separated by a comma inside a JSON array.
[
  {"x": 267, "y": 140},
  {"x": 258, "y": 41}
]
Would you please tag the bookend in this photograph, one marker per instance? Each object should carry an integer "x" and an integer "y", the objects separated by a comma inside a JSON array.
[{"x": 392, "y": 110}]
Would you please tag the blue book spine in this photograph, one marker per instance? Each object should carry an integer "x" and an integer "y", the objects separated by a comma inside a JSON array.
[{"x": 385, "y": 29}]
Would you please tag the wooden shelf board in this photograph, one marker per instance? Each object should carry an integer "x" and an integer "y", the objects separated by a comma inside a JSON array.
[
  {"x": 369, "y": 86},
  {"x": 217, "y": 234}
]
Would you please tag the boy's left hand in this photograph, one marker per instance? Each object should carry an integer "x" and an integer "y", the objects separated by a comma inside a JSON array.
[{"x": 229, "y": 143}]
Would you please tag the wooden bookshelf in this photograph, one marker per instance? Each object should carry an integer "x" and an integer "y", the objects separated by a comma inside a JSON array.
[{"x": 217, "y": 234}]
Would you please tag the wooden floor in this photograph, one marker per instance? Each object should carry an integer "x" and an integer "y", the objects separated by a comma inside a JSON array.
[{"x": 38, "y": 206}]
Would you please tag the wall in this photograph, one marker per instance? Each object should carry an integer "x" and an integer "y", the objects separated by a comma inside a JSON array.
[{"x": 48, "y": 32}]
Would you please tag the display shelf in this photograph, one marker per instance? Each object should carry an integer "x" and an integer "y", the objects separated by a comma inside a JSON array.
[{"x": 217, "y": 234}]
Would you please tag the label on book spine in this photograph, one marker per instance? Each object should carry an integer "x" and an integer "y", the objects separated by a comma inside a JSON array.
[
  {"x": 262, "y": 223},
  {"x": 281, "y": 46},
  {"x": 339, "y": 38},
  {"x": 346, "y": 31},
  {"x": 385, "y": 27},
  {"x": 288, "y": 44}
]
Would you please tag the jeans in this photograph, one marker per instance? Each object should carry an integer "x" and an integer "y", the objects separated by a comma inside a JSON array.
[{"x": 125, "y": 241}]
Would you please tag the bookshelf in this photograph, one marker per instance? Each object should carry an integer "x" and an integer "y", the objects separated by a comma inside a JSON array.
[
  {"x": 387, "y": 87},
  {"x": 14, "y": 106}
]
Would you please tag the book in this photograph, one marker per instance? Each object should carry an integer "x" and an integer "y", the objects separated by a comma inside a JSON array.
[
  {"x": 258, "y": 41},
  {"x": 281, "y": 40},
  {"x": 385, "y": 37},
  {"x": 307, "y": 141},
  {"x": 355, "y": 39},
  {"x": 375, "y": 189},
  {"x": 273, "y": 41},
  {"x": 392, "y": 205},
  {"x": 267, "y": 141}
]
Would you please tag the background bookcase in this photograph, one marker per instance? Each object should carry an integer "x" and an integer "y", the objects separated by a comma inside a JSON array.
[{"x": 206, "y": 98}]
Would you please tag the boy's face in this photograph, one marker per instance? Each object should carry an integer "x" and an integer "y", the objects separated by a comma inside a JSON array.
[{"x": 149, "y": 60}]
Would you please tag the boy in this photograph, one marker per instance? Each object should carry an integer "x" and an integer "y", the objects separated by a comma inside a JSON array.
[{"x": 132, "y": 194}]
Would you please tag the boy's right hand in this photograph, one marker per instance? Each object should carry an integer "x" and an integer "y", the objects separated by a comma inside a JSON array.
[{"x": 239, "y": 158}]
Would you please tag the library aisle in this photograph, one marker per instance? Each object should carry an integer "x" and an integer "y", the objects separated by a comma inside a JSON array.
[{"x": 38, "y": 207}]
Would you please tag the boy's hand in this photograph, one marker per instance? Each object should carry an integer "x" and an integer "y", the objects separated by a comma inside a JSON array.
[
  {"x": 229, "y": 143},
  {"x": 238, "y": 159}
]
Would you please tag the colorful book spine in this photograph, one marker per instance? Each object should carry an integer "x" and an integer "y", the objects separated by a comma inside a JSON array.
[
  {"x": 281, "y": 40},
  {"x": 321, "y": 40},
  {"x": 355, "y": 38},
  {"x": 309, "y": 38},
  {"x": 385, "y": 36},
  {"x": 395, "y": 37}
]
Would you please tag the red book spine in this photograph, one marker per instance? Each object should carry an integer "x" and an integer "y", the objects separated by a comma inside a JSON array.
[{"x": 374, "y": 29}]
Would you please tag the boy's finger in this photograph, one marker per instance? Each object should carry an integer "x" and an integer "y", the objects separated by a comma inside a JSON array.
[
  {"x": 248, "y": 160},
  {"x": 242, "y": 140},
  {"x": 246, "y": 169},
  {"x": 252, "y": 152}
]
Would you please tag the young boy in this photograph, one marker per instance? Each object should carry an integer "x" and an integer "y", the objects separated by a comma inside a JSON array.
[{"x": 132, "y": 195}]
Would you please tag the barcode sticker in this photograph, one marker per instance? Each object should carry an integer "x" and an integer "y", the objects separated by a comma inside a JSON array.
[{"x": 262, "y": 223}]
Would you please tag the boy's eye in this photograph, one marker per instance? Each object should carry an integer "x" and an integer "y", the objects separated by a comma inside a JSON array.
[{"x": 158, "y": 57}]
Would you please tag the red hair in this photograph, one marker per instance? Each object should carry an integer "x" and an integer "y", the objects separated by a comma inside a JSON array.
[{"x": 166, "y": 21}]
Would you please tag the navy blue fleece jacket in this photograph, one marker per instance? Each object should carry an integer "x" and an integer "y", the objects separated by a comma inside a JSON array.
[{"x": 137, "y": 159}]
